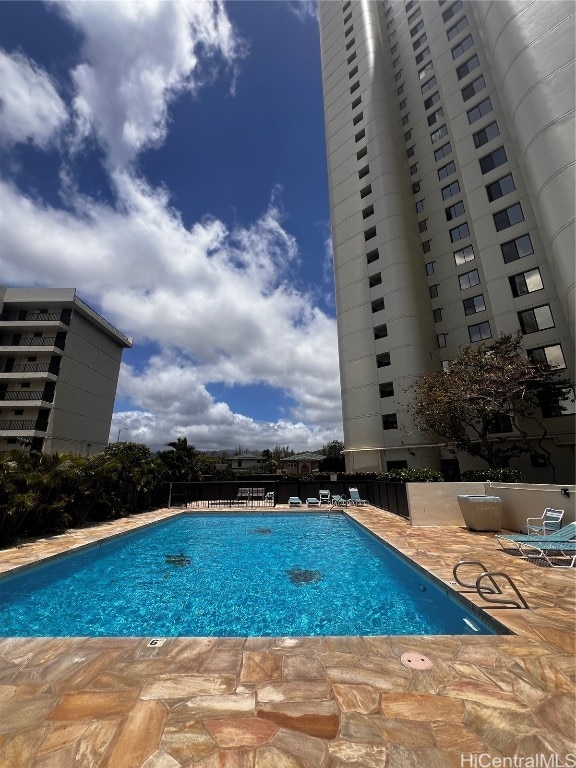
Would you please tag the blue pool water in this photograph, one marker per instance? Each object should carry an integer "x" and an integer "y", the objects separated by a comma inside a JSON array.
[{"x": 232, "y": 576}]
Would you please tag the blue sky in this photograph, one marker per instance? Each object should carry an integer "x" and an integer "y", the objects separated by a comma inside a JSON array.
[{"x": 167, "y": 160}]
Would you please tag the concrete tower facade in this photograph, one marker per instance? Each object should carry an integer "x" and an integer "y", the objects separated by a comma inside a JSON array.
[{"x": 451, "y": 155}]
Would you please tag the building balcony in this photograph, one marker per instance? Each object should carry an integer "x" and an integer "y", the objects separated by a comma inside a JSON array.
[
  {"x": 24, "y": 319},
  {"x": 22, "y": 427},
  {"x": 24, "y": 397},
  {"x": 33, "y": 344}
]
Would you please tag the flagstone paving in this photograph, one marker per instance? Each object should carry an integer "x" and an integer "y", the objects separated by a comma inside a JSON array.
[{"x": 316, "y": 702}]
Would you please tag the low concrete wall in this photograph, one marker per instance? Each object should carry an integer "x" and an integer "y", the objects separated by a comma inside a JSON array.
[
  {"x": 522, "y": 500},
  {"x": 436, "y": 503}
]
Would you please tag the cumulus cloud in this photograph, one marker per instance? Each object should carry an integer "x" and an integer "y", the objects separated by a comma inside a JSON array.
[
  {"x": 138, "y": 56},
  {"x": 30, "y": 108}
]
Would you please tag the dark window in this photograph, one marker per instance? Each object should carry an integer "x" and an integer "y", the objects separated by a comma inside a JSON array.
[
  {"x": 357, "y": 102},
  {"x": 452, "y": 10},
  {"x": 516, "y": 249},
  {"x": 462, "y": 47},
  {"x": 474, "y": 304},
  {"x": 486, "y": 134},
  {"x": 355, "y": 86},
  {"x": 369, "y": 233},
  {"x": 469, "y": 279},
  {"x": 433, "y": 290},
  {"x": 500, "y": 423},
  {"x": 402, "y": 104},
  {"x": 415, "y": 187},
  {"x": 346, "y": 6},
  {"x": 439, "y": 134},
  {"x": 374, "y": 280},
  {"x": 396, "y": 464},
  {"x": 365, "y": 191},
  {"x": 526, "y": 282},
  {"x": 400, "y": 90},
  {"x": 360, "y": 135},
  {"x": 457, "y": 28},
  {"x": 416, "y": 29},
  {"x": 435, "y": 116},
  {"x": 420, "y": 41},
  {"x": 508, "y": 217},
  {"x": 398, "y": 75},
  {"x": 410, "y": 152},
  {"x": 428, "y": 85},
  {"x": 551, "y": 355},
  {"x": 501, "y": 187},
  {"x": 419, "y": 206},
  {"x": 431, "y": 100},
  {"x": 414, "y": 16},
  {"x": 378, "y": 305},
  {"x": 479, "y": 332},
  {"x": 369, "y": 211},
  {"x": 349, "y": 44},
  {"x": 389, "y": 421},
  {"x": 381, "y": 331},
  {"x": 467, "y": 67},
  {"x": 372, "y": 256},
  {"x": 363, "y": 171},
  {"x": 387, "y": 389},
  {"x": 361, "y": 153},
  {"x": 454, "y": 211},
  {"x": 460, "y": 232},
  {"x": 423, "y": 225},
  {"x": 414, "y": 169},
  {"x": 349, "y": 30},
  {"x": 447, "y": 170},
  {"x": 430, "y": 267},
  {"x": 358, "y": 118},
  {"x": 437, "y": 314},
  {"x": 353, "y": 71},
  {"x": 383, "y": 360},
  {"x": 347, "y": 18},
  {"x": 405, "y": 119},
  {"x": 493, "y": 160},
  {"x": 475, "y": 87},
  {"x": 450, "y": 190},
  {"x": 463, "y": 255},
  {"x": 408, "y": 135},
  {"x": 536, "y": 319},
  {"x": 351, "y": 58},
  {"x": 426, "y": 245},
  {"x": 422, "y": 55},
  {"x": 481, "y": 109}
]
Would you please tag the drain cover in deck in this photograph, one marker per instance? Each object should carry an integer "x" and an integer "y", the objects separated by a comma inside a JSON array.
[{"x": 415, "y": 660}]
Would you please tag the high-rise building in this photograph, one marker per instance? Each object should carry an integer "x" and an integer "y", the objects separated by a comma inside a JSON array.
[
  {"x": 451, "y": 158},
  {"x": 59, "y": 366}
]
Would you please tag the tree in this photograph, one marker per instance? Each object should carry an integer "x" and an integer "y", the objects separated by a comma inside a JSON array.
[
  {"x": 486, "y": 390},
  {"x": 181, "y": 462},
  {"x": 334, "y": 461}
]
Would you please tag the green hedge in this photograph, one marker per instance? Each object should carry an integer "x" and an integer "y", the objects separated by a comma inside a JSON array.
[{"x": 502, "y": 475}]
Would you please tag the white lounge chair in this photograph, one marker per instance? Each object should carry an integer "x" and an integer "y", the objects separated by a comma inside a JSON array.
[
  {"x": 550, "y": 521},
  {"x": 294, "y": 501},
  {"x": 312, "y": 501},
  {"x": 324, "y": 497}
]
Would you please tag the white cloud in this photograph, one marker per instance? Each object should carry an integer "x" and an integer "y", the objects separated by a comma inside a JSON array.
[
  {"x": 30, "y": 107},
  {"x": 303, "y": 9},
  {"x": 138, "y": 57}
]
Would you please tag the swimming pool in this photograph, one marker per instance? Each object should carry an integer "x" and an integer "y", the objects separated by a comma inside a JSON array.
[{"x": 230, "y": 575}]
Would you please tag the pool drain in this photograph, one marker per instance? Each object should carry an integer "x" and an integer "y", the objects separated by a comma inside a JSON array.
[{"x": 415, "y": 660}]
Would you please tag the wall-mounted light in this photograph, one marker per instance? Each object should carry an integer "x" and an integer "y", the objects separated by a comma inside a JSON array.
[{"x": 565, "y": 492}]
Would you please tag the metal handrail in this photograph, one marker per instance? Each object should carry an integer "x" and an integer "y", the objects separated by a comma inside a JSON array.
[
  {"x": 502, "y": 601},
  {"x": 24, "y": 424},
  {"x": 29, "y": 368},
  {"x": 30, "y": 316},
  {"x": 31, "y": 341},
  {"x": 27, "y": 394},
  {"x": 493, "y": 589}
]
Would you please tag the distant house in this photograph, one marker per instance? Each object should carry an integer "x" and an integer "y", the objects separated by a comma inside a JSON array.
[
  {"x": 302, "y": 463},
  {"x": 246, "y": 461}
]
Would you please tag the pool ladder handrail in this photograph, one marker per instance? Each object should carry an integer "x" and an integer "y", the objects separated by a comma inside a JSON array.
[{"x": 493, "y": 588}]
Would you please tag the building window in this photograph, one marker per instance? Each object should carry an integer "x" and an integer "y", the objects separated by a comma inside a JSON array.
[
  {"x": 435, "y": 116},
  {"x": 457, "y": 28},
  {"x": 422, "y": 55},
  {"x": 355, "y": 86},
  {"x": 423, "y": 225},
  {"x": 410, "y": 152},
  {"x": 350, "y": 43},
  {"x": 431, "y": 100},
  {"x": 526, "y": 282},
  {"x": 416, "y": 29},
  {"x": 358, "y": 118},
  {"x": 481, "y": 109},
  {"x": 469, "y": 279},
  {"x": 415, "y": 187},
  {"x": 402, "y": 104},
  {"x": 424, "y": 72},
  {"x": 369, "y": 211},
  {"x": 406, "y": 119},
  {"x": 400, "y": 90},
  {"x": 408, "y": 135},
  {"x": 462, "y": 47},
  {"x": 474, "y": 304},
  {"x": 516, "y": 249},
  {"x": 493, "y": 160},
  {"x": 468, "y": 66},
  {"x": 363, "y": 171},
  {"x": 387, "y": 389},
  {"x": 447, "y": 170},
  {"x": 392, "y": 37},
  {"x": 361, "y": 153},
  {"x": 437, "y": 314},
  {"x": 443, "y": 151},
  {"x": 426, "y": 245},
  {"x": 450, "y": 12},
  {"x": 351, "y": 58},
  {"x": 394, "y": 49},
  {"x": 372, "y": 256},
  {"x": 360, "y": 135},
  {"x": 347, "y": 18},
  {"x": 25, "y": 385},
  {"x": 479, "y": 331},
  {"x": 396, "y": 62},
  {"x": 463, "y": 255},
  {"x": 433, "y": 291},
  {"x": 365, "y": 191},
  {"x": 398, "y": 76},
  {"x": 374, "y": 280},
  {"x": 419, "y": 206},
  {"x": 441, "y": 340},
  {"x": 439, "y": 134},
  {"x": 500, "y": 424},
  {"x": 369, "y": 234},
  {"x": 357, "y": 102},
  {"x": 428, "y": 85},
  {"x": 346, "y": 6},
  {"x": 383, "y": 360},
  {"x": 551, "y": 355},
  {"x": 414, "y": 16},
  {"x": 349, "y": 30},
  {"x": 508, "y": 217},
  {"x": 420, "y": 41},
  {"x": 460, "y": 232},
  {"x": 381, "y": 331},
  {"x": 414, "y": 169},
  {"x": 389, "y": 421},
  {"x": 475, "y": 87},
  {"x": 445, "y": 365},
  {"x": 536, "y": 319},
  {"x": 377, "y": 305},
  {"x": 454, "y": 211},
  {"x": 500, "y": 188},
  {"x": 450, "y": 190},
  {"x": 430, "y": 267}
]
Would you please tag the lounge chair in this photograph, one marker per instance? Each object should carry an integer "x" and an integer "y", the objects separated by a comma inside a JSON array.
[
  {"x": 338, "y": 501},
  {"x": 312, "y": 501},
  {"x": 324, "y": 497},
  {"x": 550, "y": 551},
  {"x": 566, "y": 534},
  {"x": 355, "y": 497},
  {"x": 550, "y": 521},
  {"x": 294, "y": 501}
]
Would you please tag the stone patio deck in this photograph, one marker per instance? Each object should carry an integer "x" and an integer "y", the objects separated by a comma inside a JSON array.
[{"x": 314, "y": 702}]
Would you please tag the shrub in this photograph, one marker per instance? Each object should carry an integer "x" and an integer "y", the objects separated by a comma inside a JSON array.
[
  {"x": 495, "y": 475},
  {"x": 412, "y": 475}
]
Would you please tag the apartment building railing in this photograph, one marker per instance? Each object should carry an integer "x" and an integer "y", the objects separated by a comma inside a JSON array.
[
  {"x": 19, "y": 425},
  {"x": 24, "y": 367},
  {"x": 23, "y": 394},
  {"x": 29, "y": 341},
  {"x": 24, "y": 317}
]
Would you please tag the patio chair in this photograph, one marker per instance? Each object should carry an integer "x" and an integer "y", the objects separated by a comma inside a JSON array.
[
  {"x": 566, "y": 534},
  {"x": 312, "y": 501},
  {"x": 338, "y": 501},
  {"x": 550, "y": 551},
  {"x": 355, "y": 497},
  {"x": 550, "y": 521},
  {"x": 294, "y": 501},
  {"x": 324, "y": 497}
]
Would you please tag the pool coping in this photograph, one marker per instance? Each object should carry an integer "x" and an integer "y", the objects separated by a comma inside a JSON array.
[{"x": 314, "y": 702}]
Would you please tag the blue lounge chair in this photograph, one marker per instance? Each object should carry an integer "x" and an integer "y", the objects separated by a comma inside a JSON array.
[
  {"x": 338, "y": 501},
  {"x": 550, "y": 551},
  {"x": 355, "y": 497},
  {"x": 312, "y": 501},
  {"x": 566, "y": 534},
  {"x": 550, "y": 521},
  {"x": 294, "y": 501}
]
